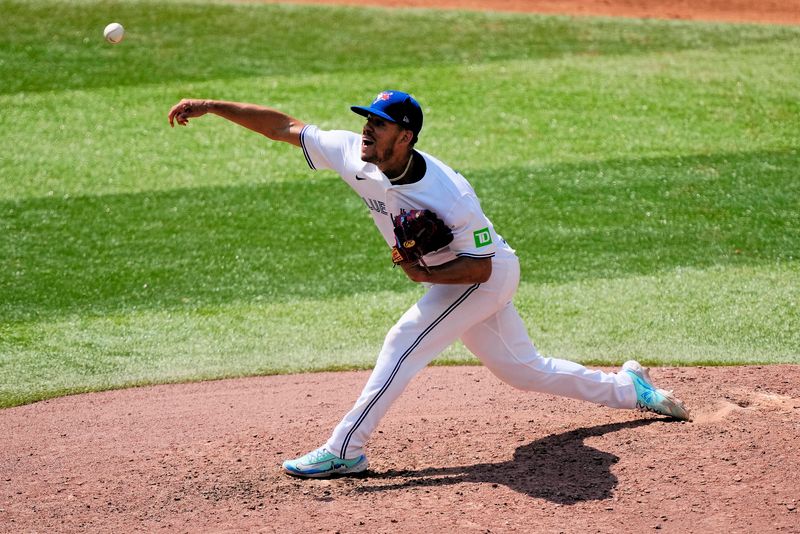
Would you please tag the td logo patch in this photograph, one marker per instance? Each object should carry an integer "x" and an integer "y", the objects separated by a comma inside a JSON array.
[{"x": 482, "y": 237}]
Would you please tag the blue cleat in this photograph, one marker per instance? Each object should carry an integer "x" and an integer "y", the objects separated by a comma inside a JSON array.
[
  {"x": 651, "y": 399},
  {"x": 321, "y": 463}
]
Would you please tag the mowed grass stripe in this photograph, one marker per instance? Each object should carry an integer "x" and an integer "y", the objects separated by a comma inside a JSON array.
[
  {"x": 165, "y": 41},
  {"x": 717, "y": 316},
  {"x": 732, "y": 315},
  {"x": 486, "y": 117},
  {"x": 644, "y": 170},
  {"x": 312, "y": 239}
]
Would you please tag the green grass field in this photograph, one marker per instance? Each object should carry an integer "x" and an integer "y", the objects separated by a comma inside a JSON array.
[{"x": 645, "y": 171}]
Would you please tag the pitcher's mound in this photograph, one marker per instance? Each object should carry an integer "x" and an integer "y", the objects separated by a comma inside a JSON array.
[{"x": 460, "y": 451}]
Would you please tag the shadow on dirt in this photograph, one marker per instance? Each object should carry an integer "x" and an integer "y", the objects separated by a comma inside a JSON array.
[{"x": 558, "y": 468}]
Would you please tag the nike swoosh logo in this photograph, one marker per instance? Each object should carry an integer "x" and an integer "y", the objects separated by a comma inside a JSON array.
[{"x": 360, "y": 177}]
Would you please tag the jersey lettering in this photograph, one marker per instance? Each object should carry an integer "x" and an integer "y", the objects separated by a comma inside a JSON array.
[{"x": 375, "y": 205}]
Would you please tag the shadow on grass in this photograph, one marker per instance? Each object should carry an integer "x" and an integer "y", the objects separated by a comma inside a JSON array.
[{"x": 215, "y": 245}]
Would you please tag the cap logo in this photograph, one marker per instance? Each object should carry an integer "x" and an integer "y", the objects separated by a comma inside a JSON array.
[
  {"x": 406, "y": 119},
  {"x": 386, "y": 95}
]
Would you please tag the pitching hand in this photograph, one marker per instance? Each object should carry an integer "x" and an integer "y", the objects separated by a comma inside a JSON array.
[{"x": 187, "y": 109}]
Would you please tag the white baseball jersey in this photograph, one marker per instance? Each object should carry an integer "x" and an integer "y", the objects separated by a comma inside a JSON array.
[
  {"x": 482, "y": 315},
  {"x": 441, "y": 190}
]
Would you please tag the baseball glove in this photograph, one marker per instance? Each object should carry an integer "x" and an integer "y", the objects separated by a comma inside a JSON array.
[{"x": 418, "y": 232}]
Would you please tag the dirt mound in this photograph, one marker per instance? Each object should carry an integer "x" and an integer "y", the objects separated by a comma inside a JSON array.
[
  {"x": 460, "y": 451},
  {"x": 766, "y": 11}
]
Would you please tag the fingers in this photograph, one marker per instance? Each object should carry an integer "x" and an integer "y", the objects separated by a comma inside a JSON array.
[
  {"x": 176, "y": 114},
  {"x": 183, "y": 111}
]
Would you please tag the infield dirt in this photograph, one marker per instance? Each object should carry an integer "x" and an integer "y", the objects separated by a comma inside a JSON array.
[
  {"x": 459, "y": 452},
  {"x": 766, "y": 11}
]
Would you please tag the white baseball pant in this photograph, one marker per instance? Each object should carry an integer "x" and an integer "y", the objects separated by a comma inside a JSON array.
[{"x": 484, "y": 318}]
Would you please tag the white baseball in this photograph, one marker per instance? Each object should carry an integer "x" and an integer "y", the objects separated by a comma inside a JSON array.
[{"x": 114, "y": 32}]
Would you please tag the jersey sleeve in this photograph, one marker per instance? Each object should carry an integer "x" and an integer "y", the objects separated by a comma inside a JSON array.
[
  {"x": 473, "y": 235},
  {"x": 327, "y": 149}
]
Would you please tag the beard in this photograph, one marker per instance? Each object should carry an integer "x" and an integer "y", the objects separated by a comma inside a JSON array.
[{"x": 377, "y": 156}]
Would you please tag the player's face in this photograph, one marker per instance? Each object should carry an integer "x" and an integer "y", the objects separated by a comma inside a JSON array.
[{"x": 379, "y": 140}]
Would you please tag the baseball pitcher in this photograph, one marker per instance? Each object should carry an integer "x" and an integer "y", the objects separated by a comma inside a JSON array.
[{"x": 437, "y": 232}]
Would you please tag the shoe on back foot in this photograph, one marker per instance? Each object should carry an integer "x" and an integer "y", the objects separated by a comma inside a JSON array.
[
  {"x": 650, "y": 398},
  {"x": 320, "y": 463}
]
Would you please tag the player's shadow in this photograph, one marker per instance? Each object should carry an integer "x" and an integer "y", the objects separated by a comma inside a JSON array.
[{"x": 560, "y": 468}]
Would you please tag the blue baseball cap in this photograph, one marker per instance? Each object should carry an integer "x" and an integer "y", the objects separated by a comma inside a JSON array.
[{"x": 397, "y": 107}]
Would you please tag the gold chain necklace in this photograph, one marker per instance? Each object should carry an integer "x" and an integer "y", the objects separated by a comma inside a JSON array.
[{"x": 398, "y": 178}]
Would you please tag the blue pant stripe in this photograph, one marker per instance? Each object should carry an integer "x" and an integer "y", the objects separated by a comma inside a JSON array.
[{"x": 405, "y": 355}]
